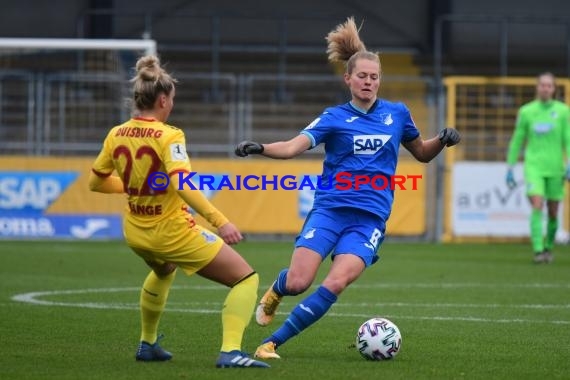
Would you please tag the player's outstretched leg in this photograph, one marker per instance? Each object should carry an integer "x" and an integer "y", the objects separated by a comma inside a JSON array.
[
  {"x": 309, "y": 311},
  {"x": 267, "y": 351}
]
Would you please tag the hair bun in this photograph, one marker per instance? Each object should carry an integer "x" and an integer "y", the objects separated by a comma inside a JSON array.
[{"x": 148, "y": 68}]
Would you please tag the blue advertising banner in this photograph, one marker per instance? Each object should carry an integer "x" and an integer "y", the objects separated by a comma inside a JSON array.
[{"x": 25, "y": 197}]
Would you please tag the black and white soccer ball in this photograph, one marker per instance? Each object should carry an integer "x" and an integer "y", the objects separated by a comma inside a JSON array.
[{"x": 378, "y": 339}]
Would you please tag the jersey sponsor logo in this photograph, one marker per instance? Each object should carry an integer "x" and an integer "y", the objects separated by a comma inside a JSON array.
[
  {"x": 178, "y": 152},
  {"x": 351, "y": 119},
  {"x": 541, "y": 128},
  {"x": 369, "y": 144}
]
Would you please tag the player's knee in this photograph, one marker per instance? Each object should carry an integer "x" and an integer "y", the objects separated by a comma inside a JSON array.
[
  {"x": 297, "y": 284},
  {"x": 335, "y": 285},
  {"x": 164, "y": 270},
  {"x": 252, "y": 278}
]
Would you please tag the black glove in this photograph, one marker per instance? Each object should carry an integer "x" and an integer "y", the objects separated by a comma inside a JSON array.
[
  {"x": 449, "y": 137},
  {"x": 245, "y": 148}
]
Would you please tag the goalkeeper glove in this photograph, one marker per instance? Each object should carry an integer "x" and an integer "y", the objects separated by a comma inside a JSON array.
[
  {"x": 449, "y": 137},
  {"x": 510, "y": 179},
  {"x": 246, "y": 148}
]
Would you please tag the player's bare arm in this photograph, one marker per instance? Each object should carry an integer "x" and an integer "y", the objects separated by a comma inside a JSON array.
[
  {"x": 427, "y": 150},
  {"x": 279, "y": 150}
]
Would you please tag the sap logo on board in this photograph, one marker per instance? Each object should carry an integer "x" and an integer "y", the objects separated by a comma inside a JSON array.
[{"x": 32, "y": 191}]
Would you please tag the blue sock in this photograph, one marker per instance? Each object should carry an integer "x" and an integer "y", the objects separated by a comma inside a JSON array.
[
  {"x": 279, "y": 285},
  {"x": 310, "y": 310}
]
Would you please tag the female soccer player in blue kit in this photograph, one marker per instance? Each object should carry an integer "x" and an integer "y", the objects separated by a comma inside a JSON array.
[{"x": 361, "y": 137}]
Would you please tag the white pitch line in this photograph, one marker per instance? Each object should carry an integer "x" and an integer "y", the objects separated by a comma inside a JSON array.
[
  {"x": 459, "y": 305},
  {"x": 453, "y": 285},
  {"x": 461, "y": 319},
  {"x": 33, "y": 299},
  {"x": 412, "y": 305}
]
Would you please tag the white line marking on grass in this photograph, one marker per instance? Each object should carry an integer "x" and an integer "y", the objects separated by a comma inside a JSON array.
[
  {"x": 452, "y": 305},
  {"x": 33, "y": 298},
  {"x": 461, "y": 319},
  {"x": 408, "y": 304},
  {"x": 453, "y": 285}
]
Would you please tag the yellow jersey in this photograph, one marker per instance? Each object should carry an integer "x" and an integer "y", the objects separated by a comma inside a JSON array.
[{"x": 137, "y": 149}]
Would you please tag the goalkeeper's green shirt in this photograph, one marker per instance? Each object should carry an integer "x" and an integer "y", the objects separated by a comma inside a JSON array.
[{"x": 545, "y": 126}]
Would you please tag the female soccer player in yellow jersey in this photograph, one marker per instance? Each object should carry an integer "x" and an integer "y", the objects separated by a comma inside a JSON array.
[{"x": 157, "y": 225}]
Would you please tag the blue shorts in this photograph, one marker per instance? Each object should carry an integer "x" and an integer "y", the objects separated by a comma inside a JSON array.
[{"x": 343, "y": 231}]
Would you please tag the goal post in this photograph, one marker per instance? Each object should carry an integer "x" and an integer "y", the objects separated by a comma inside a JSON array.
[
  {"x": 58, "y": 95},
  {"x": 147, "y": 45}
]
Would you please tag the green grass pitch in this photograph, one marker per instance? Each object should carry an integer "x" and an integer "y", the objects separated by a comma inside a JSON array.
[{"x": 470, "y": 311}]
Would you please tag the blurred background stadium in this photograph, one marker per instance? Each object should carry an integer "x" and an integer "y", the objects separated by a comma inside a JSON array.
[{"x": 258, "y": 70}]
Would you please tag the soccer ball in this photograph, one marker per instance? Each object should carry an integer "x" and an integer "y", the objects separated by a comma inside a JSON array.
[{"x": 378, "y": 339}]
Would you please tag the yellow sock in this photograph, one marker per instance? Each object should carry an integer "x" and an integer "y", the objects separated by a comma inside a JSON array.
[
  {"x": 152, "y": 301},
  {"x": 237, "y": 312}
]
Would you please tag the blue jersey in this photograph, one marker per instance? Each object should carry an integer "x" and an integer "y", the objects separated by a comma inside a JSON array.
[{"x": 360, "y": 143}]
